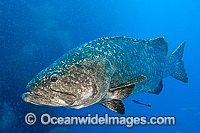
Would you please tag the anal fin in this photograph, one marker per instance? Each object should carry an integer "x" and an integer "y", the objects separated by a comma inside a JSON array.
[
  {"x": 158, "y": 89},
  {"x": 125, "y": 90},
  {"x": 116, "y": 106}
]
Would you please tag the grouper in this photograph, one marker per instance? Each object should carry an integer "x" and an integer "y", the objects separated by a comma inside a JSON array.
[{"x": 105, "y": 71}]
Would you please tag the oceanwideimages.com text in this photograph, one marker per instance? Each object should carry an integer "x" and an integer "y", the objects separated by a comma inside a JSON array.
[{"x": 129, "y": 121}]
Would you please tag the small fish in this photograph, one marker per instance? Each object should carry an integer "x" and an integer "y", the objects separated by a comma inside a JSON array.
[
  {"x": 149, "y": 105},
  {"x": 106, "y": 71}
]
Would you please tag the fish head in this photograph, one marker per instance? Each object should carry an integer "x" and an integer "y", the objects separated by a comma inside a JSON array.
[{"x": 73, "y": 85}]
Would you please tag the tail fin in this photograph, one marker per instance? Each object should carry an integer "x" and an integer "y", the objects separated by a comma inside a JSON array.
[{"x": 180, "y": 73}]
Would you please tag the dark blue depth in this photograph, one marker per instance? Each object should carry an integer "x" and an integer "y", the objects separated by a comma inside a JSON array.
[{"x": 34, "y": 33}]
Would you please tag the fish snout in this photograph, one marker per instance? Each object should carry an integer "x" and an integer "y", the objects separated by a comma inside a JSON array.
[{"x": 29, "y": 87}]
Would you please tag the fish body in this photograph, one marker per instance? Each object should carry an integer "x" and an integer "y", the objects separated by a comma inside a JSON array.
[{"x": 105, "y": 71}]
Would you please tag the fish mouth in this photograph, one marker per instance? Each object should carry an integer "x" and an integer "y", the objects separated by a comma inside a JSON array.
[
  {"x": 33, "y": 91},
  {"x": 39, "y": 96},
  {"x": 38, "y": 99},
  {"x": 36, "y": 92},
  {"x": 35, "y": 99}
]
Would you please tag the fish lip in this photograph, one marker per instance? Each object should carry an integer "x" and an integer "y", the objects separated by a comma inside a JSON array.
[
  {"x": 35, "y": 94},
  {"x": 31, "y": 88},
  {"x": 31, "y": 93}
]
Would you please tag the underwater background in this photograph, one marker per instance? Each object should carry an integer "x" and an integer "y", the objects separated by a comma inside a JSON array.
[{"x": 34, "y": 33}]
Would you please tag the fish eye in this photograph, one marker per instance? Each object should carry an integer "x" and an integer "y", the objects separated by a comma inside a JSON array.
[{"x": 54, "y": 78}]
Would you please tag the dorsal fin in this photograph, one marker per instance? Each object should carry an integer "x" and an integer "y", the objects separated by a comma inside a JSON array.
[
  {"x": 160, "y": 44},
  {"x": 157, "y": 43}
]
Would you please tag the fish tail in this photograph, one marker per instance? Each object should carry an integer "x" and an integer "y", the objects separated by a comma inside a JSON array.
[{"x": 180, "y": 73}]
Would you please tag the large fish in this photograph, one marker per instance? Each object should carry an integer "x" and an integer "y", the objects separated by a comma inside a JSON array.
[{"x": 105, "y": 71}]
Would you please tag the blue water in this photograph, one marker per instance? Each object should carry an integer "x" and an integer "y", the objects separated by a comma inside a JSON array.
[{"x": 34, "y": 33}]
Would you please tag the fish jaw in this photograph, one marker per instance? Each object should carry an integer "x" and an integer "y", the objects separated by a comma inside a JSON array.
[
  {"x": 41, "y": 96},
  {"x": 38, "y": 100}
]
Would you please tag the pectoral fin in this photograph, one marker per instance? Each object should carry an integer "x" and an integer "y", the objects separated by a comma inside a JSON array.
[
  {"x": 116, "y": 106},
  {"x": 125, "y": 90},
  {"x": 132, "y": 82},
  {"x": 121, "y": 92}
]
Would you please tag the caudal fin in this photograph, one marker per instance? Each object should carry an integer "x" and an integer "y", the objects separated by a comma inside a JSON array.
[{"x": 177, "y": 55}]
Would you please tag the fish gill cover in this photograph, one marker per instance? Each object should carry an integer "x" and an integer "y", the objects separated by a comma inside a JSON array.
[{"x": 35, "y": 33}]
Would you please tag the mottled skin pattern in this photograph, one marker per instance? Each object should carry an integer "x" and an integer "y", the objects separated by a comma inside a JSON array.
[{"x": 85, "y": 74}]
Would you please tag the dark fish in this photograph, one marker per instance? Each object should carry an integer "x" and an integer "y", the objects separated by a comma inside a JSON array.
[{"x": 105, "y": 71}]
